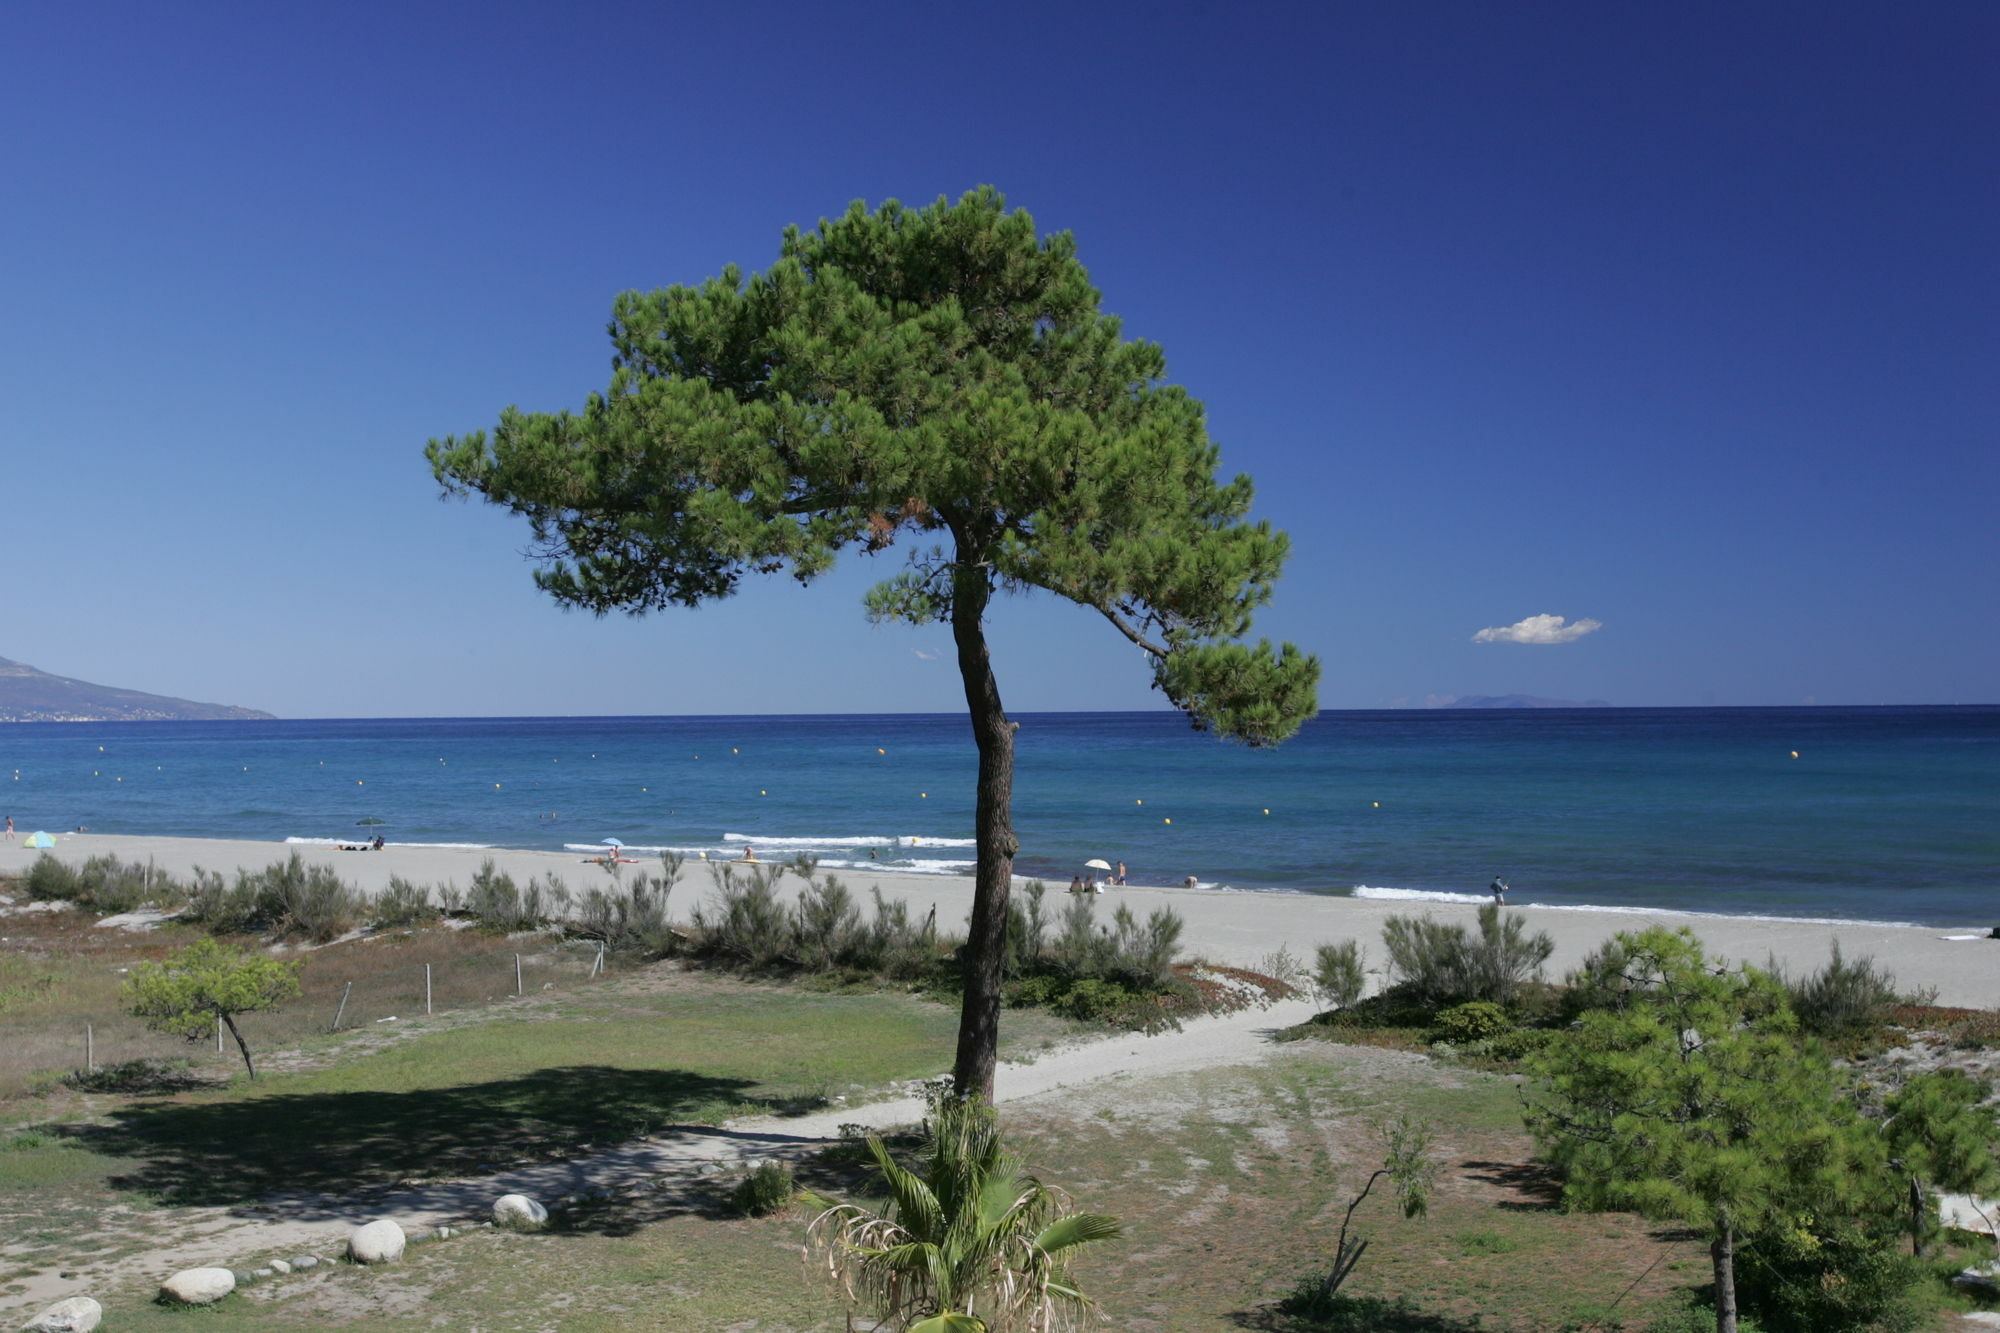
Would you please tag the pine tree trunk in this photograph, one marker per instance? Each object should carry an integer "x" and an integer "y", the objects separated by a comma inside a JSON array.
[
  {"x": 241, "y": 1045},
  {"x": 993, "y": 831},
  {"x": 1722, "y": 1253},
  {"x": 1918, "y": 1221}
]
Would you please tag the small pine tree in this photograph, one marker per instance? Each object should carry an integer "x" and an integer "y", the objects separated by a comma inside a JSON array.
[
  {"x": 208, "y": 982},
  {"x": 1699, "y": 1102}
]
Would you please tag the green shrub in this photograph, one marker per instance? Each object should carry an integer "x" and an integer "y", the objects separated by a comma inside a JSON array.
[
  {"x": 1339, "y": 974},
  {"x": 1442, "y": 963},
  {"x": 1033, "y": 992},
  {"x": 402, "y": 904},
  {"x": 498, "y": 904},
  {"x": 1092, "y": 1000},
  {"x": 826, "y": 926},
  {"x": 631, "y": 919},
  {"x": 1845, "y": 999},
  {"x": 296, "y": 899},
  {"x": 102, "y": 884},
  {"x": 766, "y": 1190},
  {"x": 1835, "y": 1275},
  {"x": 142, "y": 1075},
  {"x": 1516, "y": 1045},
  {"x": 747, "y": 926},
  {"x": 1476, "y": 1020},
  {"x": 222, "y": 907}
]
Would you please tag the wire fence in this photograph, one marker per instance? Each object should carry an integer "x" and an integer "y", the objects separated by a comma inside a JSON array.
[{"x": 37, "y": 1049}]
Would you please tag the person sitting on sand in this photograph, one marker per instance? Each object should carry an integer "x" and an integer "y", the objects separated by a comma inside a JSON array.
[
  {"x": 376, "y": 845},
  {"x": 1076, "y": 883}
]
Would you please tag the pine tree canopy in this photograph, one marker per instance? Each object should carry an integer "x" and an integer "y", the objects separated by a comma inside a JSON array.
[{"x": 939, "y": 377}]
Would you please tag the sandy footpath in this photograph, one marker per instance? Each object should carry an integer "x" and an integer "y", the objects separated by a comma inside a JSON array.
[{"x": 1225, "y": 927}]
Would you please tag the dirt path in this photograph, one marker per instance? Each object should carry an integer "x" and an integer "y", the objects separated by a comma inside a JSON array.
[{"x": 673, "y": 1161}]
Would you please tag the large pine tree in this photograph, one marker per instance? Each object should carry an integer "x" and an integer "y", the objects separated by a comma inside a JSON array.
[{"x": 941, "y": 375}]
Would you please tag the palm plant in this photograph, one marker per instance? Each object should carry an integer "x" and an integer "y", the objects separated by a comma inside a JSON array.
[{"x": 970, "y": 1244}]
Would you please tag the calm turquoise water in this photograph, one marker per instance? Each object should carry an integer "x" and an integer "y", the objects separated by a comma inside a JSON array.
[{"x": 1888, "y": 814}]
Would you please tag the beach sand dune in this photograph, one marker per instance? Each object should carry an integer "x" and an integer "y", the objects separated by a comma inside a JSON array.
[{"x": 1226, "y": 927}]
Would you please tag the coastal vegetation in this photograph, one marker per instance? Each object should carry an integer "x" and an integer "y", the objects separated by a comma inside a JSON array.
[
  {"x": 1232, "y": 1184},
  {"x": 192, "y": 991},
  {"x": 939, "y": 373}
]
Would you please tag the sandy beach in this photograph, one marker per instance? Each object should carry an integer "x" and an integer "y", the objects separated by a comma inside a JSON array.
[{"x": 1227, "y": 927}]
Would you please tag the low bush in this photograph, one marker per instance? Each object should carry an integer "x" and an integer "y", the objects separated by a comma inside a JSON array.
[
  {"x": 1844, "y": 999},
  {"x": 1339, "y": 973},
  {"x": 1443, "y": 963},
  {"x": 402, "y": 904},
  {"x": 768, "y": 1189},
  {"x": 103, "y": 884},
  {"x": 496, "y": 903},
  {"x": 1475, "y": 1020},
  {"x": 1835, "y": 1275},
  {"x": 143, "y": 1075}
]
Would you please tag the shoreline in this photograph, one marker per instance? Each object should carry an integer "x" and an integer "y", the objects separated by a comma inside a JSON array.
[{"x": 1239, "y": 927}]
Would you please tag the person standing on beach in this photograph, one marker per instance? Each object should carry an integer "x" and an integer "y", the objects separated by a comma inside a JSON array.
[
  {"x": 1498, "y": 888},
  {"x": 10, "y": 828},
  {"x": 1119, "y": 877}
]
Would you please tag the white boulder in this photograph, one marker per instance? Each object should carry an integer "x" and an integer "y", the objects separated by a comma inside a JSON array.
[
  {"x": 379, "y": 1242},
  {"x": 198, "y": 1286},
  {"x": 518, "y": 1210},
  {"x": 78, "y": 1314}
]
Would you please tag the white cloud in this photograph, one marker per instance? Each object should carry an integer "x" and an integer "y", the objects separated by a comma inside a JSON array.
[
  {"x": 928, "y": 657},
  {"x": 1539, "y": 629}
]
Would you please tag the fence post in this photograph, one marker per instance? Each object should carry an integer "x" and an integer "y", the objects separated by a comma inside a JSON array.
[
  {"x": 427, "y": 988},
  {"x": 218, "y": 1034},
  {"x": 598, "y": 967},
  {"x": 89, "y": 1050},
  {"x": 517, "y": 975},
  {"x": 336, "y": 1013}
]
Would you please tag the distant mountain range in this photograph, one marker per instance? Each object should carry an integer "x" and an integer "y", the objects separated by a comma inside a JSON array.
[
  {"x": 28, "y": 695},
  {"x": 1515, "y": 701}
]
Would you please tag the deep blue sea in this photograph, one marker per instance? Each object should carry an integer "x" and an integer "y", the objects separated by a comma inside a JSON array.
[{"x": 1883, "y": 814}]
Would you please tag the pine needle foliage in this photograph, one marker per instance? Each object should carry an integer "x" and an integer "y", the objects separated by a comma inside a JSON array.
[
  {"x": 941, "y": 376},
  {"x": 1699, "y": 1101},
  {"x": 208, "y": 982}
]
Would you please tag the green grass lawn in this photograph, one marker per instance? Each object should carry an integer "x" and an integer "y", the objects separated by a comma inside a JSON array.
[{"x": 546, "y": 1077}]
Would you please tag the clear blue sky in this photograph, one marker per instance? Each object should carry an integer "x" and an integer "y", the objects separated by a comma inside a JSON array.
[{"x": 1678, "y": 318}]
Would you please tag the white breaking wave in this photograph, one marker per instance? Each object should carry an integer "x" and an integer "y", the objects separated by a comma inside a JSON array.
[
  {"x": 1417, "y": 895},
  {"x": 370, "y": 837},
  {"x": 806, "y": 842}
]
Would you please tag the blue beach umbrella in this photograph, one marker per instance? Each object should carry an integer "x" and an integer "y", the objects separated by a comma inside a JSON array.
[
  {"x": 39, "y": 839},
  {"x": 612, "y": 842}
]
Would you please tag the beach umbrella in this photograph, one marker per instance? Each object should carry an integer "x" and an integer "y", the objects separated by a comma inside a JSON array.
[
  {"x": 39, "y": 840},
  {"x": 612, "y": 842},
  {"x": 1095, "y": 864}
]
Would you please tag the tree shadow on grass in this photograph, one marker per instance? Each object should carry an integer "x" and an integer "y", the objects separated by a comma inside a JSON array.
[
  {"x": 1536, "y": 1187},
  {"x": 348, "y": 1143},
  {"x": 1356, "y": 1314}
]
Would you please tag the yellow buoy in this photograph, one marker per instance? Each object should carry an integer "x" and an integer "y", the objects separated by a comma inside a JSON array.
[
  {"x": 117, "y": 779},
  {"x": 734, "y": 750},
  {"x": 923, "y": 796},
  {"x": 1795, "y": 754},
  {"x": 1166, "y": 821},
  {"x": 880, "y": 750},
  {"x": 1138, "y": 802},
  {"x": 1267, "y": 810},
  {"x": 762, "y": 792},
  {"x": 496, "y": 784},
  {"x": 359, "y": 783},
  {"x": 1378, "y": 805}
]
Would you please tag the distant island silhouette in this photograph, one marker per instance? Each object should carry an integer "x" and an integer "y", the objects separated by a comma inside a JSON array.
[{"x": 31, "y": 695}]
